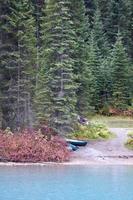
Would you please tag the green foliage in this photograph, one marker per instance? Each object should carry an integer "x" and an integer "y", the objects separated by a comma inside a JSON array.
[
  {"x": 129, "y": 142},
  {"x": 94, "y": 65},
  {"x": 130, "y": 134},
  {"x": 61, "y": 58},
  {"x": 98, "y": 60},
  {"x": 82, "y": 68},
  {"x": 18, "y": 54},
  {"x": 120, "y": 75},
  {"x": 99, "y": 35},
  {"x": 55, "y": 91},
  {"x": 92, "y": 131}
]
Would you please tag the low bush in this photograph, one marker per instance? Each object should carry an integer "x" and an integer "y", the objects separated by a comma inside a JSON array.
[
  {"x": 109, "y": 111},
  {"x": 91, "y": 131},
  {"x": 32, "y": 147},
  {"x": 130, "y": 134},
  {"x": 129, "y": 142}
]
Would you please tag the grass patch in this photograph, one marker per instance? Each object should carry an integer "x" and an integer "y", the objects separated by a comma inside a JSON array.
[
  {"x": 113, "y": 121},
  {"x": 92, "y": 131},
  {"x": 129, "y": 142}
]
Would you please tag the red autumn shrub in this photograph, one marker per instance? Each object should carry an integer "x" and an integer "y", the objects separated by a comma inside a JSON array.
[
  {"x": 119, "y": 112},
  {"x": 25, "y": 147}
]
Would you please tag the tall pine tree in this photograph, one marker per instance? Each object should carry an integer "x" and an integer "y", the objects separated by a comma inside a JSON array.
[
  {"x": 82, "y": 69},
  {"x": 55, "y": 95},
  {"x": 4, "y": 50},
  {"x": 19, "y": 65},
  {"x": 99, "y": 35},
  {"x": 120, "y": 66},
  {"x": 99, "y": 51}
]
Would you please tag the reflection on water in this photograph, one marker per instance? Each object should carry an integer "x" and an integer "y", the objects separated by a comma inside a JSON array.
[{"x": 66, "y": 183}]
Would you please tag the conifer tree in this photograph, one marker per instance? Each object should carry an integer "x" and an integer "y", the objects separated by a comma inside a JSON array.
[
  {"x": 129, "y": 29},
  {"x": 38, "y": 6},
  {"x": 105, "y": 85},
  {"x": 120, "y": 66},
  {"x": 26, "y": 62},
  {"x": 99, "y": 51},
  {"x": 62, "y": 49},
  {"x": 116, "y": 15},
  {"x": 94, "y": 64},
  {"x": 6, "y": 57},
  {"x": 99, "y": 35},
  {"x": 55, "y": 93},
  {"x": 19, "y": 65},
  {"x": 90, "y": 10},
  {"x": 82, "y": 69}
]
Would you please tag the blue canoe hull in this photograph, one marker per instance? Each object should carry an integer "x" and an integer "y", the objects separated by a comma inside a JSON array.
[
  {"x": 72, "y": 147},
  {"x": 77, "y": 142}
]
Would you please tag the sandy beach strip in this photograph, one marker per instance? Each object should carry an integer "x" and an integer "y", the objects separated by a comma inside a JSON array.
[{"x": 75, "y": 162}]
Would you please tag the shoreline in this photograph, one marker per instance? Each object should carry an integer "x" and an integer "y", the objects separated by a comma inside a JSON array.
[
  {"x": 76, "y": 162},
  {"x": 96, "y": 153}
]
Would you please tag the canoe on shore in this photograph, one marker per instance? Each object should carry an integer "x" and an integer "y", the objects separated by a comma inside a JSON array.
[
  {"x": 72, "y": 147},
  {"x": 76, "y": 142}
]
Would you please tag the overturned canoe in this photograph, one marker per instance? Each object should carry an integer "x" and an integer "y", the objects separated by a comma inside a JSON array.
[
  {"x": 72, "y": 147},
  {"x": 76, "y": 142}
]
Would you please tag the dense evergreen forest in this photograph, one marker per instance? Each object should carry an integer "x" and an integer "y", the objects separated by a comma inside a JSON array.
[{"x": 63, "y": 58}]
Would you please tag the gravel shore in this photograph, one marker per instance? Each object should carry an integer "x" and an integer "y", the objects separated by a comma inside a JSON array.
[{"x": 111, "y": 152}]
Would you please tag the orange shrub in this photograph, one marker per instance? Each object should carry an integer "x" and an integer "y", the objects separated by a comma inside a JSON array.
[{"x": 27, "y": 147}]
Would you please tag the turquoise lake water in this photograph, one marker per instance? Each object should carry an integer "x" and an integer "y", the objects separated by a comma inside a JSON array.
[{"x": 66, "y": 183}]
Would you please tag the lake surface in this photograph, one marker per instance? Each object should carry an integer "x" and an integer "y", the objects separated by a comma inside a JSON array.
[{"x": 66, "y": 183}]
